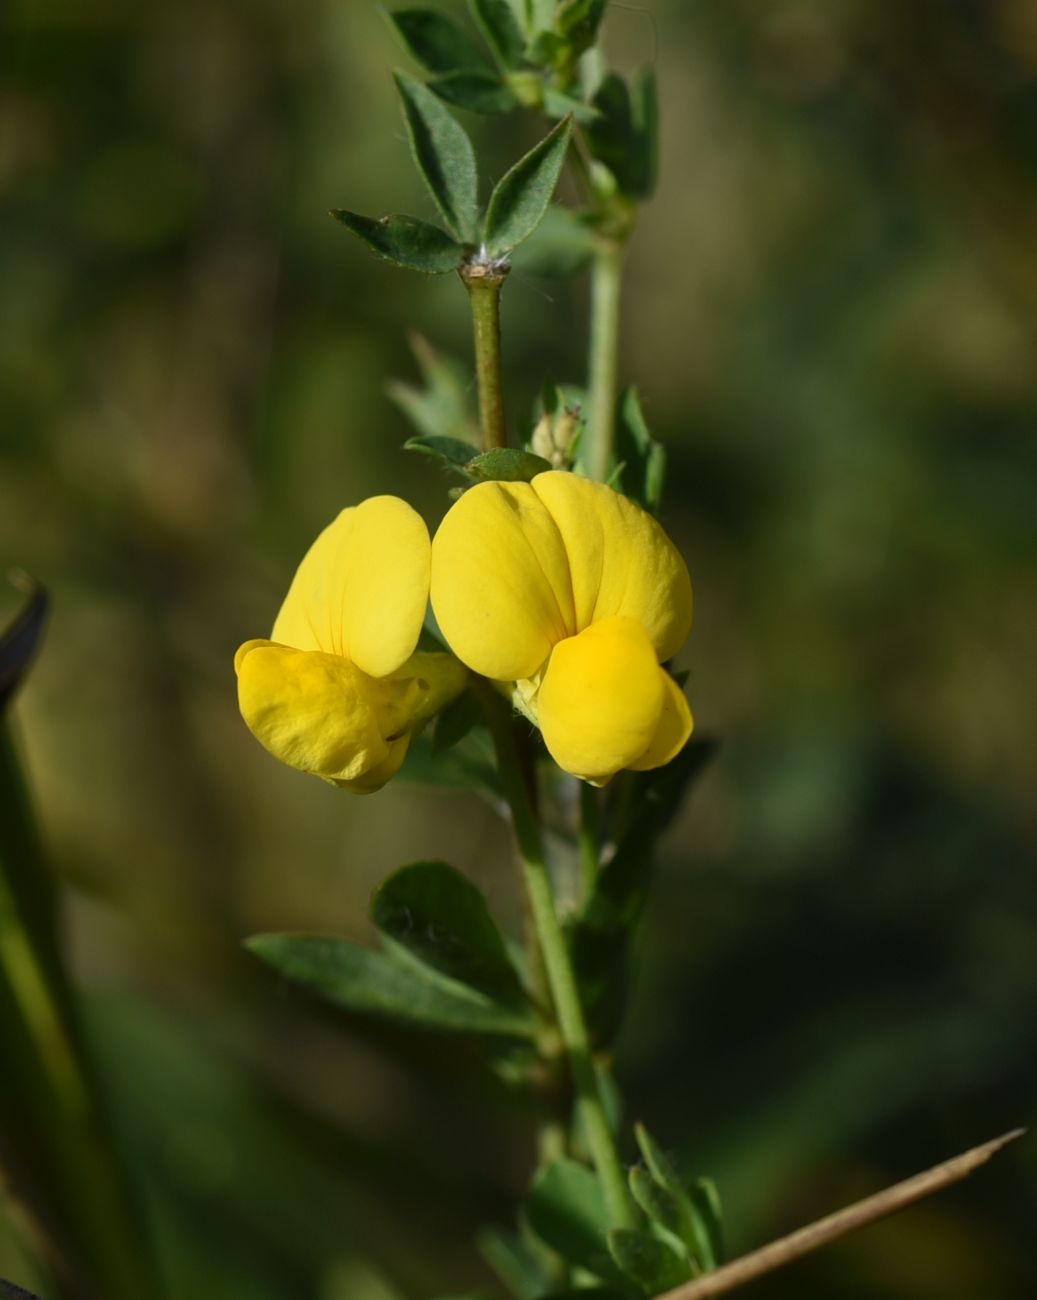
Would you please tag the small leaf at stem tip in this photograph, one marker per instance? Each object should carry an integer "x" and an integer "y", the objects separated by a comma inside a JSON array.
[
  {"x": 655, "y": 1200},
  {"x": 644, "y": 470},
  {"x": 443, "y": 921},
  {"x": 566, "y": 1209},
  {"x": 451, "y": 452},
  {"x": 496, "y": 20},
  {"x": 20, "y": 641},
  {"x": 522, "y": 195},
  {"x": 479, "y": 92},
  {"x": 386, "y": 985},
  {"x": 507, "y": 465},
  {"x": 405, "y": 241},
  {"x": 444, "y": 156},
  {"x": 692, "y": 1230},
  {"x": 647, "y": 1261},
  {"x": 436, "y": 41}
]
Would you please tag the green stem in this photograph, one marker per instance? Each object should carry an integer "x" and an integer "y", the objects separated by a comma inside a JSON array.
[
  {"x": 54, "y": 1135},
  {"x": 590, "y": 846},
  {"x": 603, "y": 383},
  {"x": 562, "y": 981},
  {"x": 484, "y": 288}
]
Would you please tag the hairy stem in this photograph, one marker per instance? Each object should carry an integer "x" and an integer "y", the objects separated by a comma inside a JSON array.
[
  {"x": 484, "y": 285},
  {"x": 561, "y": 979}
]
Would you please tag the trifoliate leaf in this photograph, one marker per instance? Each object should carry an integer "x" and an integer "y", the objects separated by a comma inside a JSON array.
[
  {"x": 522, "y": 195},
  {"x": 444, "y": 156},
  {"x": 405, "y": 241}
]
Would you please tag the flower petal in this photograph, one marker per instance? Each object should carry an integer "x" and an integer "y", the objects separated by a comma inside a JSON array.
[
  {"x": 620, "y": 559},
  {"x": 500, "y": 585},
  {"x": 316, "y": 712},
  {"x": 361, "y": 589},
  {"x": 675, "y": 726},
  {"x": 601, "y": 699}
]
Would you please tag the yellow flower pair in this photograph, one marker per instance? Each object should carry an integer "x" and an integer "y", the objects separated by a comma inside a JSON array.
[{"x": 561, "y": 588}]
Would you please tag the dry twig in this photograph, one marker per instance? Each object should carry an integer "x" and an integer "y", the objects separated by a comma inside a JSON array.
[{"x": 804, "y": 1240}]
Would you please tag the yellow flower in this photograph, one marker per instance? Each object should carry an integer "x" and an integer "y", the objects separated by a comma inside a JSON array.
[
  {"x": 576, "y": 595},
  {"x": 338, "y": 690}
]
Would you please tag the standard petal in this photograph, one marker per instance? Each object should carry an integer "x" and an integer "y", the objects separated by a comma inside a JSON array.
[
  {"x": 500, "y": 586},
  {"x": 316, "y": 712},
  {"x": 362, "y": 587},
  {"x": 675, "y": 726},
  {"x": 601, "y": 699},
  {"x": 620, "y": 559}
]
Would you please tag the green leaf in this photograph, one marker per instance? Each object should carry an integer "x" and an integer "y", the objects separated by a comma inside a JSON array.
[
  {"x": 578, "y": 22},
  {"x": 444, "y": 156},
  {"x": 691, "y": 1227},
  {"x": 558, "y": 105},
  {"x": 706, "y": 1202},
  {"x": 496, "y": 20},
  {"x": 405, "y": 241},
  {"x": 514, "y": 1261},
  {"x": 651, "y": 1263},
  {"x": 455, "y": 722},
  {"x": 11, "y": 1292},
  {"x": 21, "y": 639},
  {"x": 562, "y": 245},
  {"x": 451, "y": 452},
  {"x": 644, "y": 459},
  {"x": 479, "y": 92},
  {"x": 442, "y": 919},
  {"x": 625, "y": 135},
  {"x": 566, "y": 1210},
  {"x": 385, "y": 984},
  {"x": 436, "y": 41},
  {"x": 588, "y": 1293},
  {"x": 508, "y": 465},
  {"x": 520, "y": 198},
  {"x": 440, "y": 410},
  {"x": 659, "y": 1205}
]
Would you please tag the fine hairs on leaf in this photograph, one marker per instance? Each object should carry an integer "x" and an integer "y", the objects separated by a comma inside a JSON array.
[
  {"x": 405, "y": 241},
  {"x": 438, "y": 43},
  {"x": 521, "y": 197},
  {"x": 444, "y": 156}
]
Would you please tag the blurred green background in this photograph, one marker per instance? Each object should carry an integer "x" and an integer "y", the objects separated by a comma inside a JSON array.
[{"x": 832, "y": 313}]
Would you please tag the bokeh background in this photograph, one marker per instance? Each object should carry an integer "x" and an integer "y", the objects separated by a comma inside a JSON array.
[{"x": 831, "y": 312}]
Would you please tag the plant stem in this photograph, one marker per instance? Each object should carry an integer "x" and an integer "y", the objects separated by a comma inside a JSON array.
[
  {"x": 590, "y": 846},
  {"x": 603, "y": 369},
  {"x": 484, "y": 283},
  {"x": 562, "y": 981},
  {"x": 62, "y": 1164}
]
